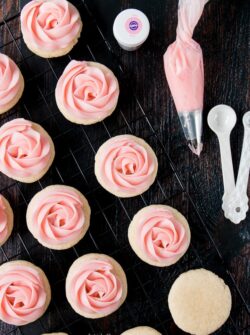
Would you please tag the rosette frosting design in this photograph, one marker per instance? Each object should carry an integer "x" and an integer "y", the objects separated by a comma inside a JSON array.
[
  {"x": 56, "y": 216},
  {"x": 24, "y": 151},
  {"x": 87, "y": 92},
  {"x": 3, "y": 221},
  {"x": 50, "y": 25},
  {"x": 23, "y": 297},
  {"x": 10, "y": 81},
  {"x": 126, "y": 165},
  {"x": 94, "y": 287},
  {"x": 161, "y": 235}
]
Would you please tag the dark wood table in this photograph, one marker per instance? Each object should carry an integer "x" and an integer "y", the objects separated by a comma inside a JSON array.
[{"x": 193, "y": 185}]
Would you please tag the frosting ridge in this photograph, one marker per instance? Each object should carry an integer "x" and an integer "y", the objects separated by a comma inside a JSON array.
[{"x": 3, "y": 221}]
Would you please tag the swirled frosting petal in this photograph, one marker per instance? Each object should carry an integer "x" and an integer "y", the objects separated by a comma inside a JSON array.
[
  {"x": 24, "y": 151},
  {"x": 10, "y": 81},
  {"x": 87, "y": 91},
  {"x": 23, "y": 296},
  {"x": 50, "y": 24}
]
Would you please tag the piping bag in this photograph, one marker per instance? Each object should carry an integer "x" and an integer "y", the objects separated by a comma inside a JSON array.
[{"x": 183, "y": 64}]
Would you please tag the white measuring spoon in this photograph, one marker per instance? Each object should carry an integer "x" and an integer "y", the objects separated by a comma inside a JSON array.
[
  {"x": 221, "y": 119},
  {"x": 236, "y": 204}
]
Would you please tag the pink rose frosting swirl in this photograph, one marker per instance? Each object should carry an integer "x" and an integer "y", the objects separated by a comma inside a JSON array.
[
  {"x": 56, "y": 215},
  {"x": 95, "y": 288},
  {"x": 50, "y": 24},
  {"x": 23, "y": 297},
  {"x": 3, "y": 221},
  {"x": 24, "y": 151},
  {"x": 161, "y": 235},
  {"x": 87, "y": 91},
  {"x": 10, "y": 83},
  {"x": 126, "y": 165}
]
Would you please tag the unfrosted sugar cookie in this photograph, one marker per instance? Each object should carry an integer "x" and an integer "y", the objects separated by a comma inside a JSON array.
[
  {"x": 96, "y": 286},
  {"x": 11, "y": 83},
  {"x": 126, "y": 166},
  {"x": 27, "y": 150},
  {"x": 143, "y": 330},
  {"x": 199, "y": 301},
  {"x": 50, "y": 28},
  {"x": 159, "y": 235},
  {"x": 58, "y": 216},
  {"x": 6, "y": 220},
  {"x": 87, "y": 92},
  {"x": 25, "y": 292}
]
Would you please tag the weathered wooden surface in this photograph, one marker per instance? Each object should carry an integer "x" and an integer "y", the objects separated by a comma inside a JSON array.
[{"x": 192, "y": 185}]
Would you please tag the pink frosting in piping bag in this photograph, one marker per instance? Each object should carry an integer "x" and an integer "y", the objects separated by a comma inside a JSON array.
[
  {"x": 9, "y": 80},
  {"x": 95, "y": 288},
  {"x": 23, "y": 150},
  {"x": 50, "y": 24},
  {"x": 22, "y": 295},
  {"x": 3, "y": 221},
  {"x": 183, "y": 63},
  {"x": 58, "y": 216},
  {"x": 161, "y": 236}
]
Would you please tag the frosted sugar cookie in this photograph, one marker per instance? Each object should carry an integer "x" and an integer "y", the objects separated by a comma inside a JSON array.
[
  {"x": 25, "y": 292},
  {"x": 87, "y": 92},
  {"x": 11, "y": 83},
  {"x": 6, "y": 220},
  {"x": 96, "y": 286},
  {"x": 159, "y": 235},
  {"x": 58, "y": 216},
  {"x": 50, "y": 28},
  {"x": 126, "y": 166},
  {"x": 27, "y": 150}
]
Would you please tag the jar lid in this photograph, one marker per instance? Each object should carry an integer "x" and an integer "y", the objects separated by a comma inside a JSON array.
[{"x": 131, "y": 27}]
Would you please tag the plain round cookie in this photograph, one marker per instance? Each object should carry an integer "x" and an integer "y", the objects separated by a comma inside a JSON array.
[
  {"x": 134, "y": 227},
  {"x": 117, "y": 269},
  {"x": 10, "y": 218},
  {"x": 117, "y": 191},
  {"x": 8, "y": 265},
  {"x": 72, "y": 118},
  {"x": 36, "y": 201},
  {"x": 33, "y": 178},
  {"x": 143, "y": 330},
  {"x": 199, "y": 302}
]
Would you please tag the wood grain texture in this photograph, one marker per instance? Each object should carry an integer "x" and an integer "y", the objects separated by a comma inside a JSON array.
[{"x": 194, "y": 186}]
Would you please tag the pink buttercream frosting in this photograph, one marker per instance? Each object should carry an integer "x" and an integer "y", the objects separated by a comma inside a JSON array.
[
  {"x": 57, "y": 216},
  {"x": 86, "y": 91},
  {"x": 160, "y": 235},
  {"x": 22, "y": 294},
  {"x": 183, "y": 60},
  {"x": 95, "y": 288},
  {"x": 126, "y": 165},
  {"x": 3, "y": 221},
  {"x": 10, "y": 83},
  {"x": 24, "y": 151},
  {"x": 50, "y": 24}
]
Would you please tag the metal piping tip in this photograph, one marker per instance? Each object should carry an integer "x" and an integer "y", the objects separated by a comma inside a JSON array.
[
  {"x": 195, "y": 147},
  {"x": 192, "y": 127}
]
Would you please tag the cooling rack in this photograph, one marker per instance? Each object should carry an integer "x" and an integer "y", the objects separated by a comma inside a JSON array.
[{"x": 74, "y": 165}]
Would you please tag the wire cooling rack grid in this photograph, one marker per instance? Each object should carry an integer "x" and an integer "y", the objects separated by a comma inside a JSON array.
[{"x": 74, "y": 165}]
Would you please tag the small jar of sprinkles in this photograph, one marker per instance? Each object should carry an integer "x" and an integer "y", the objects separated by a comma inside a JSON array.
[{"x": 131, "y": 29}]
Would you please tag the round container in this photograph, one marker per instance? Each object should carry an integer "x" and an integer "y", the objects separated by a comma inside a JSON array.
[{"x": 131, "y": 29}]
